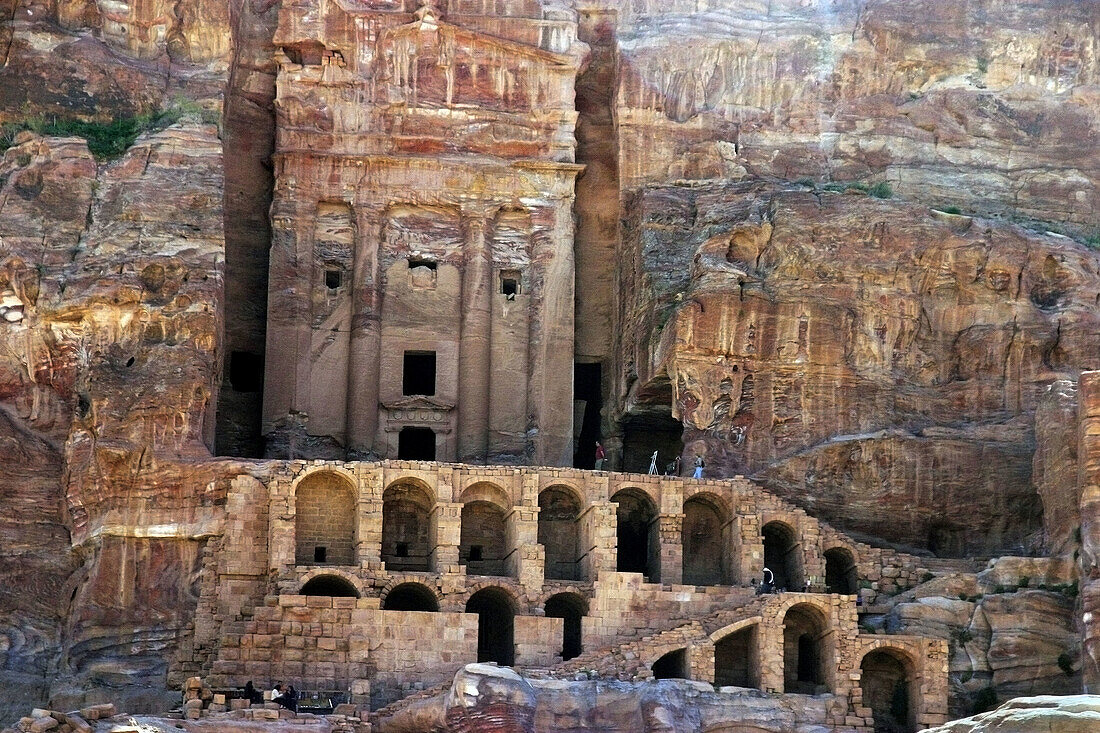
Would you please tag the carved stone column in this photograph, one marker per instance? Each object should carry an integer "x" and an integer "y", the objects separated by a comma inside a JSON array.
[
  {"x": 366, "y": 338},
  {"x": 474, "y": 344}
]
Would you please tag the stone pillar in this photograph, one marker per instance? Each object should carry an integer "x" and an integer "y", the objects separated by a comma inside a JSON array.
[
  {"x": 369, "y": 535},
  {"x": 474, "y": 349},
  {"x": 286, "y": 368},
  {"x": 366, "y": 338},
  {"x": 444, "y": 536},
  {"x": 525, "y": 556},
  {"x": 598, "y": 552},
  {"x": 751, "y": 549},
  {"x": 280, "y": 530},
  {"x": 671, "y": 552},
  {"x": 550, "y": 350}
]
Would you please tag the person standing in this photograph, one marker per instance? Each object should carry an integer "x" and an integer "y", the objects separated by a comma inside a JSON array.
[
  {"x": 699, "y": 464},
  {"x": 601, "y": 456}
]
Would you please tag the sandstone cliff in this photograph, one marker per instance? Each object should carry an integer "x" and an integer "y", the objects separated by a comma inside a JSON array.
[{"x": 110, "y": 279}]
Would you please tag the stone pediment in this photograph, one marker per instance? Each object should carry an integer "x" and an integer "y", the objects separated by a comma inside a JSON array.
[{"x": 419, "y": 402}]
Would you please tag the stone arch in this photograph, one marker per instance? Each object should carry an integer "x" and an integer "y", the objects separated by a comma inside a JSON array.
[
  {"x": 482, "y": 539},
  {"x": 807, "y": 656},
  {"x": 496, "y": 612},
  {"x": 571, "y": 608},
  {"x": 737, "y": 654},
  {"x": 887, "y": 684},
  {"x": 559, "y": 532},
  {"x": 329, "y": 584},
  {"x": 706, "y": 540},
  {"x": 488, "y": 492},
  {"x": 324, "y": 518},
  {"x": 841, "y": 572},
  {"x": 672, "y": 665},
  {"x": 406, "y": 515},
  {"x": 638, "y": 543},
  {"x": 410, "y": 596},
  {"x": 783, "y": 554}
]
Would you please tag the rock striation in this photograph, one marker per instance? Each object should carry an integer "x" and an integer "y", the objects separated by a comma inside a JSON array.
[{"x": 107, "y": 375}]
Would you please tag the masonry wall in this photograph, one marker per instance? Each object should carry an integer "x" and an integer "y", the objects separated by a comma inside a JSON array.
[{"x": 352, "y": 643}]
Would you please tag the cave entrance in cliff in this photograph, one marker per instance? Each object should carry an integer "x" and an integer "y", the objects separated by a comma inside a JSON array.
[
  {"x": 587, "y": 402},
  {"x": 495, "y": 625},
  {"x": 570, "y": 608},
  {"x": 737, "y": 659},
  {"x": 637, "y": 536},
  {"x": 406, "y": 507},
  {"x": 653, "y": 430},
  {"x": 559, "y": 534},
  {"x": 481, "y": 545},
  {"x": 885, "y": 680},
  {"x": 947, "y": 540},
  {"x": 706, "y": 541},
  {"x": 410, "y": 597},
  {"x": 841, "y": 575},
  {"x": 783, "y": 555},
  {"x": 329, "y": 585},
  {"x": 672, "y": 666},
  {"x": 806, "y": 658}
]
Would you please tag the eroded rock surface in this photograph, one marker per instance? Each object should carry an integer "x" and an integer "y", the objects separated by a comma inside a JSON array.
[
  {"x": 878, "y": 362},
  {"x": 113, "y": 272},
  {"x": 1070, "y": 714}
]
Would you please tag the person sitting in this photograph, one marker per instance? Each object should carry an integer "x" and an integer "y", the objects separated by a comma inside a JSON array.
[
  {"x": 289, "y": 699},
  {"x": 276, "y": 693},
  {"x": 252, "y": 694}
]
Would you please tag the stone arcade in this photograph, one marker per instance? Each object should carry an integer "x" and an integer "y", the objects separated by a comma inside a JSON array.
[{"x": 382, "y": 578}]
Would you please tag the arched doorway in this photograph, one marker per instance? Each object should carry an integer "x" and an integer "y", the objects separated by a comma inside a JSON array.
[
  {"x": 672, "y": 666},
  {"x": 737, "y": 659},
  {"x": 481, "y": 546},
  {"x": 571, "y": 608},
  {"x": 329, "y": 585},
  {"x": 495, "y": 625},
  {"x": 324, "y": 520},
  {"x": 410, "y": 597},
  {"x": 841, "y": 575},
  {"x": 638, "y": 542},
  {"x": 783, "y": 555},
  {"x": 406, "y": 507},
  {"x": 558, "y": 532},
  {"x": 885, "y": 683},
  {"x": 806, "y": 657},
  {"x": 706, "y": 541}
]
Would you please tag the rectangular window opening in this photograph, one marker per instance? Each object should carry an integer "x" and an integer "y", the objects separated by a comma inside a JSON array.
[
  {"x": 416, "y": 444},
  {"x": 333, "y": 279},
  {"x": 418, "y": 373},
  {"x": 421, "y": 262},
  {"x": 320, "y": 554},
  {"x": 246, "y": 371},
  {"x": 402, "y": 549},
  {"x": 475, "y": 553},
  {"x": 510, "y": 283}
]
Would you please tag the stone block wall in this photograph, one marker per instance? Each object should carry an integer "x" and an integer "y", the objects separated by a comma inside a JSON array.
[{"x": 257, "y": 626}]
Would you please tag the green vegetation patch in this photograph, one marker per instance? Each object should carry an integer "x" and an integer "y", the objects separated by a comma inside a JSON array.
[{"x": 107, "y": 140}]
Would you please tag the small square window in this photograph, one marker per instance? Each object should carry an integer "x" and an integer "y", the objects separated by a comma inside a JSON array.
[
  {"x": 475, "y": 553},
  {"x": 510, "y": 283},
  {"x": 333, "y": 279},
  {"x": 402, "y": 549},
  {"x": 320, "y": 554}
]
